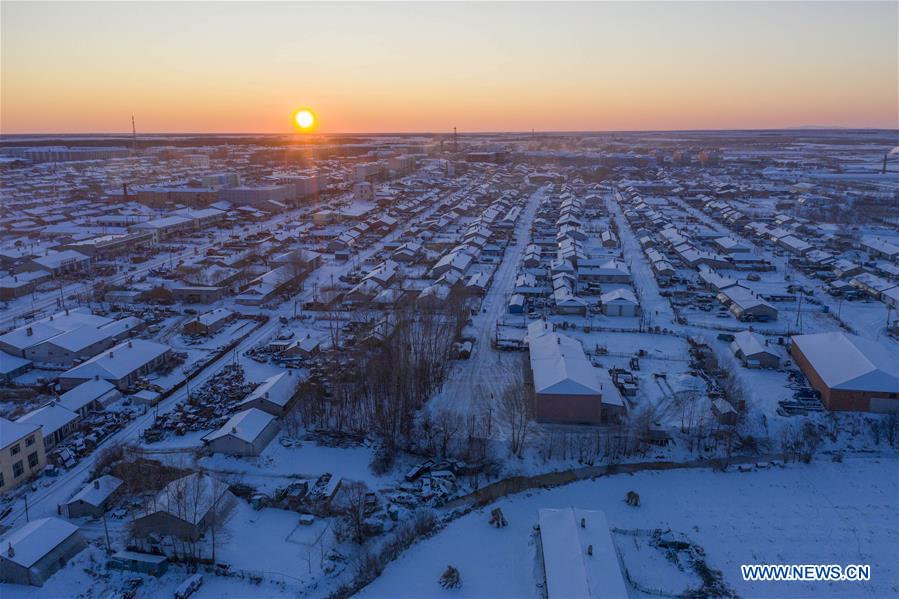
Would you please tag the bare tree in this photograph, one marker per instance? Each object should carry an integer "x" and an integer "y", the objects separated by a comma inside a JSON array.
[
  {"x": 351, "y": 505},
  {"x": 517, "y": 411}
]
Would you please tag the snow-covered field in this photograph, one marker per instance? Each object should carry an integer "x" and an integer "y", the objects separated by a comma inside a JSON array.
[{"x": 830, "y": 513}]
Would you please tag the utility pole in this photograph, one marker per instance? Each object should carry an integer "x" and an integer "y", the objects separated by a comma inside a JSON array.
[
  {"x": 27, "y": 518},
  {"x": 106, "y": 531}
]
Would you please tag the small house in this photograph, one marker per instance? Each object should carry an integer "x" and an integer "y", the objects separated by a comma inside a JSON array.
[
  {"x": 246, "y": 433},
  {"x": 94, "y": 499}
]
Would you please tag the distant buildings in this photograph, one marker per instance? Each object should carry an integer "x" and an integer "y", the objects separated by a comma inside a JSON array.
[{"x": 66, "y": 154}]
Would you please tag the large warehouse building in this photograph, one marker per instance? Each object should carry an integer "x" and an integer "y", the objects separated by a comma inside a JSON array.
[
  {"x": 567, "y": 388},
  {"x": 850, "y": 373}
]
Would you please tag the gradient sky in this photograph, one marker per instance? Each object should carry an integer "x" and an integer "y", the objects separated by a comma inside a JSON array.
[{"x": 239, "y": 67}]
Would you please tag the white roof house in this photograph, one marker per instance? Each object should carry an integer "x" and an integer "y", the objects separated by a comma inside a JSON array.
[
  {"x": 277, "y": 390},
  {"x": 559, "y": 364},
  {"x": 246, "y": 426},
  {"x": 85, "y": 394},
  {"x": 120, "y": 362},
  {"x": 570, "y": 571},
  {"x": 850, "y": 362},
  {"x": 58, "y": 260},
  {"x": 749, "y": 346},
  {"x": 52, "y": 418},
  {"x": 246, "y": 433},
  {"x": 36, "y": 539},
  {"x": 34, "y": 552},
  {"x": 622, "y": 295},
  {"x": 98, "y": 491},
  {"x": 203, "y": 491},
  {"x": 213, "y": 317},
  {"x": 18, "y": 340},
  {"x": 12, "y": 431}
]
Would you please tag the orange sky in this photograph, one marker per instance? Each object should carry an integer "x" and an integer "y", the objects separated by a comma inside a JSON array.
[{"x": 235, "y": 67}]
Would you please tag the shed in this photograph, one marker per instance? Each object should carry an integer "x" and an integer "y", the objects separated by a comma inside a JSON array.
[
  {"x": 93, "y": 500},
  {"x": 752, "y": 350},
  {"x": 516, "y": 304},
  {"x": 724, "y": 412},
  {"x": 142, "y": 563},
  {"x": 620, "y": 302},
  {"x": 273, "y": 395},
  {"x": 34, "y": 552},
  {"x": 246, "y": 433}
]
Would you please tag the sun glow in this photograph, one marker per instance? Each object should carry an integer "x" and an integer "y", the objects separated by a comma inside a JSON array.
[{"x": 304, "y": 119}]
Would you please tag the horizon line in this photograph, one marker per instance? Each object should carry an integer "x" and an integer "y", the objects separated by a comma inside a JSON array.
[{"x": 129, "y": 134}]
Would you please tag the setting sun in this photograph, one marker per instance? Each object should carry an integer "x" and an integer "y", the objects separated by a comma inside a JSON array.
[{"x": 304, "y": 118}]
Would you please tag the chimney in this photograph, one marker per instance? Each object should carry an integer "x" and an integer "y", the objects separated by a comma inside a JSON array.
[
  {"x": 583, "y": 523},
  {"x": 67, "y": 311},
  {"x": 234, "y": 430},
  {"x": 589, "y": 549},
  {"x": 97, "y": 484},
  {"x": 29, "y": 331},
  {"x": 129, "y": 344},
  {"x": 10, "y": 551},
  {"x": 110, "y": 354}
]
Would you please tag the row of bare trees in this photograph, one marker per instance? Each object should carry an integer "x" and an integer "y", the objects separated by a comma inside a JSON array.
[{"x": 377, "y": 387}]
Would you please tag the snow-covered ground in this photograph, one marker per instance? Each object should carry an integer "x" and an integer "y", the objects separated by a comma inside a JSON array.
[{"x": 829, "y": 513}]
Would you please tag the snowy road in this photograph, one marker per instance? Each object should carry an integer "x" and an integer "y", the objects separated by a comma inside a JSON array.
[
  {"x": 483, "y": 375},
  {"x": 657, "y": 309}
]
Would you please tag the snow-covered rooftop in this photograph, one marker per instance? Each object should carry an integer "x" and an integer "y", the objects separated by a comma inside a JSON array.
[
  {"x": 98, "y": 491},
  {"x": 570, "y": 571},
  {"x": 36, "y": 539},
  {"x": 246, "y": 426},
  {"x": 559, "y": 364},
  {"x": 850, "y": 362}
]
